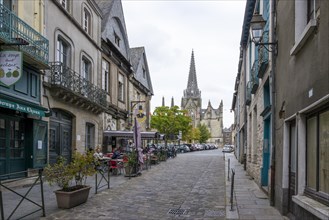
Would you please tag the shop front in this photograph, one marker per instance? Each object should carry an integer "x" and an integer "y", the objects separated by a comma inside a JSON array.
[
  {"x": 23, "y": 137},
  {"x": 23, "y": 130}
]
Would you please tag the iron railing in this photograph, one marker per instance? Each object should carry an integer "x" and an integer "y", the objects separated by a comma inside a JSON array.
[
  {"x": 22, "y": 198},
  {"x": 263, "y": 56},
  {"x": 66, "y": 78},
  {"x": 254, "y": 79},
  {"x": 13, "y": 30}
]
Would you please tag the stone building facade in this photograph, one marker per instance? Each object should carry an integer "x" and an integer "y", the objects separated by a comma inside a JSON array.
[{"x": 281, "y": 104}]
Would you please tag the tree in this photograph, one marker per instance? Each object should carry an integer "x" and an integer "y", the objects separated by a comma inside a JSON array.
[
  {"x": 191, "y": 135},
  {"x": 204, "y": 133},
  {"x": 169, "y": 121}
]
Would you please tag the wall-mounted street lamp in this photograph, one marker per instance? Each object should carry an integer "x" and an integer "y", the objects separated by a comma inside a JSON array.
[{"x": 257, "y": 25}]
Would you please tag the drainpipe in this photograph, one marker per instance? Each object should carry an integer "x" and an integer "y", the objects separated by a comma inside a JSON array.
[
  {"x": 245, "y": 127},
  {"x": 272, "y": 77}
]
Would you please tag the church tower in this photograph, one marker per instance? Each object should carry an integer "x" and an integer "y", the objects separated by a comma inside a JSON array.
[{"x": 191, "y": 100}]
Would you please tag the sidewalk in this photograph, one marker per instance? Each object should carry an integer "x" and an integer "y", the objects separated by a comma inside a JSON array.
[{"x": 249, "y": 201}]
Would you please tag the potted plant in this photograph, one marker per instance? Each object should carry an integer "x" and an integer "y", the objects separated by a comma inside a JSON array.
[
  {"x": 71, "y": 179},
  {"x": 130, "y": 163}
]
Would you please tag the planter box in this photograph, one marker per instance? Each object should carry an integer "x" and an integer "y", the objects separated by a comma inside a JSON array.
[{"x": 67, "y": 200}]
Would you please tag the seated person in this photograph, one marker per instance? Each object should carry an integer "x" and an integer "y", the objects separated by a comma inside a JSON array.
[
  {"x": 99, "y": 155},
  {"x": 116, "y": 154}
]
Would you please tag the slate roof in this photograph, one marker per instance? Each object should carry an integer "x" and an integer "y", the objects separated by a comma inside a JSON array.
[
  {"x": 137, "y": 56},
  {"x": 113, "y": 23}
]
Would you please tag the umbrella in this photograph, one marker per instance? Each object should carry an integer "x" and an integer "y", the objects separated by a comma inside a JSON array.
[{"x": 138, "y": 142}]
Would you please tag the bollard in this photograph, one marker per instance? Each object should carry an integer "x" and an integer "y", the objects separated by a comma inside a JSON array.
[
  {"x": 232, "y": 189},
  {"x": 228, "y": 169},
  {"x": 42, "y": 194}
]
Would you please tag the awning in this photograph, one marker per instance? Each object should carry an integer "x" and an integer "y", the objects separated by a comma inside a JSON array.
[
  {"x": 130, "y": 135},
  {"x": 17, "y": 106}
]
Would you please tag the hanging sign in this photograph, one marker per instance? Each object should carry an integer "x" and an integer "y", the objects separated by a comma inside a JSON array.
[
  {"x": 10, "y": 67},
  {"x": 141, "y": 116}
]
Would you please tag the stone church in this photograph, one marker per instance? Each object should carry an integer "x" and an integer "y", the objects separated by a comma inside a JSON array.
[{"x": 211, "y": 117}]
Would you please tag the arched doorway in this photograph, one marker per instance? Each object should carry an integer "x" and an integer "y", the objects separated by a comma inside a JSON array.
[{"x": 60, "y": 135}]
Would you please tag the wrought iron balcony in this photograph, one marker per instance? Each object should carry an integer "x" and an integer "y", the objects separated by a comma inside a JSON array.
[
  {"x": 254, "y": 82},
  {"x": 14, "y": 31},
  {"x": 263, "y": 56},
  {"x": 72, "y": 87}
]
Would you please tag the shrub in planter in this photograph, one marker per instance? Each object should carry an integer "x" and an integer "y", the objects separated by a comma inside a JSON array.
[
  {"x": 71, "y": 177},
  {"x": 131, "y": 163}
]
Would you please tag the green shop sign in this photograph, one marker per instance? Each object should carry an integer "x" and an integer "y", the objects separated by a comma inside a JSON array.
[{"x": 21, "y": 108}]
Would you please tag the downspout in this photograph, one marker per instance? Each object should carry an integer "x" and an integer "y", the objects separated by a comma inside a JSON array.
[
  {"x": 272, "y": 77},
  {"x": 245, "y": 127}
]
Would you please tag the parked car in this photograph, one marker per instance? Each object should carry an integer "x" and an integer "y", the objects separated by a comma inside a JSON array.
[
  {"x": 191, "y": 146},
  {"x": 183, "y": 148},
  {"x": 228, "y": 149}
]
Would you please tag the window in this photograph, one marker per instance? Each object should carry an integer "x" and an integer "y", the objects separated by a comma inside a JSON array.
[
  {"x": 311, "y": 5},
  {"x": 144, "y": 73},
  {"x": 117, "y": 39},
  {"x": 86, "y": 22},
  {"x": 105, "y": 76},
  {"x": 305, "y": 22},
  {"x": 90, "y": 136},
  {"x": 121, "y": 87},
  {"x": 63, "y": 52},
  {"x": 317, "y": 154},
  {"x": 65, "y": 4},
  {"x": 86, "y": 69}
]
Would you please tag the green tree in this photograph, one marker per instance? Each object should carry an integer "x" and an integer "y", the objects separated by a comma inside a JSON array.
[
  {"x": 191, "y": 135},
  {"x": 204, "y": 133},
  {"x": 169, "y": 121}
]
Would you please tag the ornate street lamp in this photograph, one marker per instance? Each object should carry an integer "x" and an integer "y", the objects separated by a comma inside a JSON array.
[{"x": 257, "y": 25}]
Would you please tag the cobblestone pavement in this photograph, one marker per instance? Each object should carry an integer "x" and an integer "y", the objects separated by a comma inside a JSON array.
[
  {"x": 191, "y": 186},
  {"x": 194, "y": 185}
]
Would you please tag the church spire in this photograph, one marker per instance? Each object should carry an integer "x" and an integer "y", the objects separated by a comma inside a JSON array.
[
  {"x": 163, "y": 101},
  {"x": 192, "y": 89},
  {"x": 172, "y": 102}
]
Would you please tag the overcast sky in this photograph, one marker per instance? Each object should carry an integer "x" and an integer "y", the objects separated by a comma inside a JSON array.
[{"x": 169, "y": 30}]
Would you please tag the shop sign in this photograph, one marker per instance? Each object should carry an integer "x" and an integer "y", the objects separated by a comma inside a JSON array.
[
  {"x": 21, "y": 108},
  {"x": 10, "y": 67}
]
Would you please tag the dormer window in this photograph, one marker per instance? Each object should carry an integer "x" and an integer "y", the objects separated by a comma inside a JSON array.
[
  {"x": 117, "y": 39},
  {"x": 65, "y": 4}
]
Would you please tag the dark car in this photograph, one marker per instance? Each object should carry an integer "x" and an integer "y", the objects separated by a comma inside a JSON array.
[
  {"x": 228, "y": 149},
  {"x": 183, "y": 148}
]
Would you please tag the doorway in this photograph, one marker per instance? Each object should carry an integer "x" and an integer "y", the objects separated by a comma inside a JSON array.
[
  {"x": 12, "y": 144},
  {"x": 266, "y": 151},
  {"x": 292, "y": 165},
  {"x": 60, "y": 136}
]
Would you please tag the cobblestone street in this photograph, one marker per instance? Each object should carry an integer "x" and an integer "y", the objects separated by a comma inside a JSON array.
[{"x": 191, "y": 186}]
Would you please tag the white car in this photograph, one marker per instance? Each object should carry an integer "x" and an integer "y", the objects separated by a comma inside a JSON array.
[{"x": 228, "y": 149}]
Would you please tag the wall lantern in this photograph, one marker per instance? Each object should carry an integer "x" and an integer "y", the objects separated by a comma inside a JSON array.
[{"x": 257, "y": 25}]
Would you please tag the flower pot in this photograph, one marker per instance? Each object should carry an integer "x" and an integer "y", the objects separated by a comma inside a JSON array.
[
  {"x": 67, "y": 200},
  {"x": 130, "y": 170}
]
